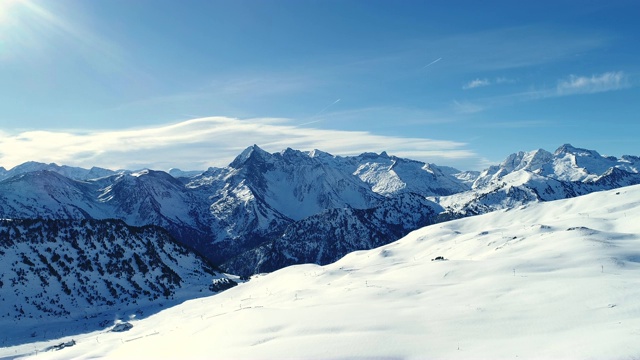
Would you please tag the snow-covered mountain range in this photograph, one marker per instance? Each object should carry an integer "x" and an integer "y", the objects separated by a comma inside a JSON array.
[
  {"x": 236, "y": 212},
  {"x": 539, "y": 175},
  {"x": 78, "y": 243},
  {"x": 553, "y": 280},
  {"x": 268, "y": 210},
  {"x": 67, "y": 171}
]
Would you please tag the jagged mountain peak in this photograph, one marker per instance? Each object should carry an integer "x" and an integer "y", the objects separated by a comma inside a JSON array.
[
  {"x": 228, "y": 211},
  {"x": 289, "y": 151},
  {"x": 290, "y": 155},
  {"x": 391, "y": 172},
  {"x": 541, "y": 176},
  {"x": 374, "y": 156},
  {"x": 567, "y": 163},
  {"x": 577, "y": 164},
  {"x": 252, "y": 153},
  {"x": 148, "y": 173},
  {"x": 570, "y": 149},
  {"x": 315, "y": 153},
  {"x": 399, "y": 161},
  {"x": 531, "y": 161}
]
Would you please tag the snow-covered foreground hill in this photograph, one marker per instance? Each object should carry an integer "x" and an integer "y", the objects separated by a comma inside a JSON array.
[{"x": 550, "y": 280}]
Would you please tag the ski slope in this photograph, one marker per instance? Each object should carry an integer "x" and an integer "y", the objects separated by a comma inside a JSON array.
[{"x": 549, "y": 280}]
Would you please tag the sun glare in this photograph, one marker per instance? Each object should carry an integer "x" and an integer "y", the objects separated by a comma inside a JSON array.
[{"x": 6, "y": 8}]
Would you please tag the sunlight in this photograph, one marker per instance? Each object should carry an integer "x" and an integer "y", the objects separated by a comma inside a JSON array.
[
  {"x": 12, "y": 20},
  {"x": 27, "y": 27},
  {"x": 6, "y": 6}
]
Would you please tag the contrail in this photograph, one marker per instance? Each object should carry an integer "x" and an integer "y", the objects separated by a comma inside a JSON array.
[
  {"x": 431, "y": 63},
  {"x": 328, "y": 106},
  {"x": 307, "y": 123},
  {"x": 320, "y": 112}
]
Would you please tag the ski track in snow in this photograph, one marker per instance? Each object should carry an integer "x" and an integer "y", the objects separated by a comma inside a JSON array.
[{"x": 547, "y": 280}]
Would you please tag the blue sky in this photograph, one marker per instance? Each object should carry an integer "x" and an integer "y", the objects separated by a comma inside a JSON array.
[{"x": 189, "y": 84}]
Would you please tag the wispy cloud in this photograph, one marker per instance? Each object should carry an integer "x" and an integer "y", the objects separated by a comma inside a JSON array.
[
  {"x": 476, "y": 83},
  {"x": 608, "y": 81},
  {"x": 261, "y": 84},
  {"x": 569, "y": 86},
  {"x": 577, "y": 85},
  {"x": 467, "y": 107},
  {"x": 486, "y": 82},
  {"x": 213, "y": 141},
  {"x": 516, "y": 124}
]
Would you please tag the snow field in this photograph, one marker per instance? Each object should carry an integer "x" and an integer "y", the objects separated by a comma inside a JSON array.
[{"x": 549, "y": 280}]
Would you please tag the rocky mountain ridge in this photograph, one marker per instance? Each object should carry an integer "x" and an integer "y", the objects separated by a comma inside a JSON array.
[
  {"x": 269, "y": 210},
  {"x": 83, "y": 270},
  {"x": 540, "y": 175}
]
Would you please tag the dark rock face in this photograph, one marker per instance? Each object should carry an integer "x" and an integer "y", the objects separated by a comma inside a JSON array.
[
  {"x": 57, "y": 268},
  {"x": 326, "y": 237}
]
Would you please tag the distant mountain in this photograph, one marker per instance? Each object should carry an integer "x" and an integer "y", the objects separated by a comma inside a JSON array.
[
  {"x": 224, "y": 212},
  {"x": 260, "y": 195},
  {"x": 539, "y": 175},
  {"x": 567, "y": 163},
  {"x": 75, "y": 173},
  {"x": 177, "y": 173},
  {"x": 50, "y": 195},
  {"x": 269, "y": 210}
]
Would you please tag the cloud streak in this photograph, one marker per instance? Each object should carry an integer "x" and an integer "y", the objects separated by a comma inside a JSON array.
[
  {"x": 212, "y": 141},
  {"x": 608, "y": 81},
  {"x": 486, "y": 82},
  {"x": 571, "y": 85},
  {"x": 476, "y": 84},
  {"x": 467, "y": 107}
]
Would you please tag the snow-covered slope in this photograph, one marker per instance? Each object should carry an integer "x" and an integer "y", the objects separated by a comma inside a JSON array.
[
  {"x": 79, "y": 271},
  {"x": 47, "y": 194},
  {"x": 150, "y": 197},
  {"x": 554, "y": 280}
]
